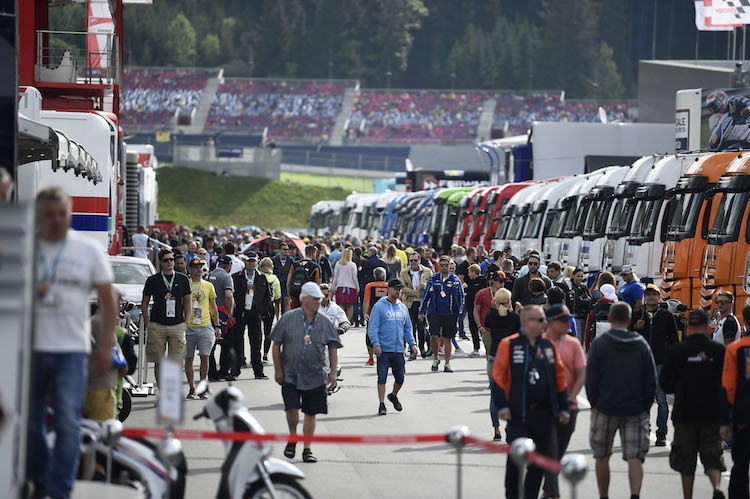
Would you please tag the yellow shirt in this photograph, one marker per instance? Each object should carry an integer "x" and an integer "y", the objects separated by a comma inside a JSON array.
[
  {"x": 402, "y": 255},
  {"x": 200, "y": 297}
]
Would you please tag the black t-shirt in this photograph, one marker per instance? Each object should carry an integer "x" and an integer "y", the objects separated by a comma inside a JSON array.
[
  {"x": 537, "y": 390},
  {"x": 156, "y": 288},
  {"x": 474, "y": 286},
  {"x": 501, "y": 327}
]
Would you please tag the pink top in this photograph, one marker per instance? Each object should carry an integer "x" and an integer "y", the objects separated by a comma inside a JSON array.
[{"x": 572, "y": 357}]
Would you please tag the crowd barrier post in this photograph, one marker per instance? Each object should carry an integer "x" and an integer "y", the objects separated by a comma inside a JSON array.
[
  {"x": 457, "y": 437},
  {"x": 519, "y": 450},
  {"x": 573, "y": 468}
]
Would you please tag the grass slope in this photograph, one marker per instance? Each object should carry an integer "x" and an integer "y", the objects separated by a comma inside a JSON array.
[
  {"x": 358, "y": 184},
  {"x": 192, "y": 197}
]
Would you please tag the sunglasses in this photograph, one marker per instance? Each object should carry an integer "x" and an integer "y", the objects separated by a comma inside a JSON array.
[
  {"x": 722, "y": 302},
  {"x": 445, "y": 264},
  {"x": 540, "y": 319},
  {"x": 412, "y": 261},
  {"x": 533, "y": 263},
  {"x": 165, "y": 260}
]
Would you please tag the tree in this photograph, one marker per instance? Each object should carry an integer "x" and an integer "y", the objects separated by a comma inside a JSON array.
[
  {"x": 209, "y": 50},
  {"x": 180, "y": 41},
  {"x": 606, "y": 75}
]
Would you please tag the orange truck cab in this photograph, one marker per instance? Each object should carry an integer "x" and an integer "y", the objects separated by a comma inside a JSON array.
[
  {"x": 728, "y": 240},
  {"x": 686, "y": 236}
]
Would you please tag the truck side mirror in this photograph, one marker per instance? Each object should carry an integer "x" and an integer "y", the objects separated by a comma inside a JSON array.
[
  {"x": 669, "y": 194},
  {"x": 710, "y": 193}
]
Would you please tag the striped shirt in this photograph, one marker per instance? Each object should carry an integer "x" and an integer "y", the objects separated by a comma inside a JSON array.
[{"x": 303, "y": 360}]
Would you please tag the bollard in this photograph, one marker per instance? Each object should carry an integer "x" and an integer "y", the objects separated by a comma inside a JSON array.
[
  {"x": 573, "y": 468},
  {"x": 518, "y": 451},
  {"x": 457, "y": 437}
]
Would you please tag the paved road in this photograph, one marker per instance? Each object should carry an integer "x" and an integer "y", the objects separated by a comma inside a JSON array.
[{"x": 433, "y": 402}]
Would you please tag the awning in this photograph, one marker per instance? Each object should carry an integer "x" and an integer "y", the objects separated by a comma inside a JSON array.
[{"x": 39, "y": 142}]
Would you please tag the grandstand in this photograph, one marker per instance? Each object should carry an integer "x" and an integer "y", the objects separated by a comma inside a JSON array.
[
  {"x": 337, "y": 112},
  {"x": 152, "y": 97}
]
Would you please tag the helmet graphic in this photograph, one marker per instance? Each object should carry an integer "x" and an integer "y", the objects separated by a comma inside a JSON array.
[{"x": 717, "y": 101}]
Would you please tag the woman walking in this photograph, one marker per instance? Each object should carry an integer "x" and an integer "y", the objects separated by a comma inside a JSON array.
[{"x": 345, "y": 283}]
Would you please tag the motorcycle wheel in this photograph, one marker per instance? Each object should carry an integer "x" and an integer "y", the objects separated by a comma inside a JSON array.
[
  {"x": 123, "y": 408},
  {"x": 286, "y": 487}
]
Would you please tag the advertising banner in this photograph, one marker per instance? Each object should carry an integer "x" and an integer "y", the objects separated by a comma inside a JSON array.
[
  {"x": 725, "y": 119},
  {"x": 100, "y": 28}
]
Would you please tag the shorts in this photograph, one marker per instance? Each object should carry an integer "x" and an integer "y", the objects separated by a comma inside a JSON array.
[
  {"x": 443, "y": 325},
  {"x": 101, "y": 404},
  {"x": 690, "y": 439},
  {"x": 397, "y": 363},
  {"x": 487, "y": 342},
  {"x": 160, "y": 337},
  {"x": 200, "y": 337},
  {"x": 634, "y": 431},
  {"x": 310, "y": 401}
]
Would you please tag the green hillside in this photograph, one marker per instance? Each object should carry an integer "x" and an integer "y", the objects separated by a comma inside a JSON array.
[{"x": 192, "y": 197}]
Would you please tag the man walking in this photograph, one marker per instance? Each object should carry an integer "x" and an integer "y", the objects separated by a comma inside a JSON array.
[
  {"x": 251, "y": 294},
  {"x": 530, "y": 393},
  {"x": 388, "y": 328},
  {"x": 658, "y": 328},
  {"x": 200, "y": 333},
  {"x": 692, "y": 371},
  {"x": 374, "y": 291},
  {"x": 631, "y": 291},
  {"x": 282, "y": 265},
  {"x": 574, "y": 361},
  {"x": 727, "y": 328},
  {"x": 302, "y": 271},
  {"x": 166, "y": 321},
  {"x": 224, "y": 288},
  {"x": 69, "y": 267},
  {"x": 473, "y": 284},
  {"x": 442, "y": 300},
  {"x": 414, "y": 278},
  {"x": 521, "y": 292},
  {"x": 299, "y": 344},
  {"x": 620, "y": 385},
  {"x": 462, "y": 271},
  {"x": 736, "y": 384},
  {"x": 141, "y": 243}
]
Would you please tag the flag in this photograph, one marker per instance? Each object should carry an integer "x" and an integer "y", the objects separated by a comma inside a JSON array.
[
  {"x": 716, "y": 15},
  {"x": 100, "y": 28}
]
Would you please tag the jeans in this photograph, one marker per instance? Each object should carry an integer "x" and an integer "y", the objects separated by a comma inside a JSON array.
[
  {"x": 63, "y": 378},
  {"x": 359, "y": 314},
  {"x": 493, "y": 408},
  {"x": 662, "y": 414},
  {"x": 473, "y": 327},
  {"x": 461, "y": 317},
  {"x": 564, "y": 432},
  {"x": 418, "y": 330}
]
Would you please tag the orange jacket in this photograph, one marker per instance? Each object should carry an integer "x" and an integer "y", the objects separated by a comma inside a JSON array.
[{"x": 735, "y": 381}]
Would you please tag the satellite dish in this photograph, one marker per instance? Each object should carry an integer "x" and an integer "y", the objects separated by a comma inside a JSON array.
[{"x": 602, "y": 115}]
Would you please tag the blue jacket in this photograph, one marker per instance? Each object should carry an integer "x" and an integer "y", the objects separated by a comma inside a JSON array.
[
  {"x": 442, "y": 297},
  {"x": 389, "y": 325}
]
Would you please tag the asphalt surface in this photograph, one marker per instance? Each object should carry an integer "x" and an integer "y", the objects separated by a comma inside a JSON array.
[{"x": 433, "y": 402}]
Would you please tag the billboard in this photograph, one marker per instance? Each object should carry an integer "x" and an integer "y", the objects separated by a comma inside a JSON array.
[
  {"x": 725, "y": 119},
  {"x": 424, "y": 180}
]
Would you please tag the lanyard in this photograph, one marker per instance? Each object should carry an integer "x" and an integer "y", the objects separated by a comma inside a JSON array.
[
  {"x": 192, "y": 289},
  {"x": 168, "y": 284},
  {"x": 250, "y": 282},
  {"x": 49, "y": 272}
]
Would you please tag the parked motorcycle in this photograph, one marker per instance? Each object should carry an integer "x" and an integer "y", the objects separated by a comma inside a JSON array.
[{"x": 248, "y": 472}]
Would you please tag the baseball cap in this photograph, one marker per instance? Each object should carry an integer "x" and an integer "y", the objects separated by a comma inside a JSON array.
[
  {"x": 224, "y": 260},
  {"x": 652, "y": 287},
  {"x": 251, "y": 255},
  {"x": 506, "y": 248},
  {"x": 626, "y": 269},
  {"x": 498, "y": 275},
  {"x": 395, "y": 283},
  {"x": 558, "y": 312},
  {"x": 310, "y": 289},
  {"x": 197, "y": 261},
  {"x": 698, "y": 317}
]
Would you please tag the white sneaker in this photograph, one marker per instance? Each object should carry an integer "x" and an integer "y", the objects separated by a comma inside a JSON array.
[
  {"x": 459, "y": 351},
  {"x": 474, "y": 354}
]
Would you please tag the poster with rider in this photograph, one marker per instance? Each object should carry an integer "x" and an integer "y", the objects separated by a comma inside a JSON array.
[{"x": 725, "y": 119}]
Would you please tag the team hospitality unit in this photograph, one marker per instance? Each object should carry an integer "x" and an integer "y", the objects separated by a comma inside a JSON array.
[{"x": 277, "y": 304}]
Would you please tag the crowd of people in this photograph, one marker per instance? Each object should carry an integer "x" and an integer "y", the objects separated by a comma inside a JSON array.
[
  {"x": 151, "y": 97},
  {"x": 533, "y": 319},
  {"x": 290, "y": 110},
  {"x": 520, "y": 110}
]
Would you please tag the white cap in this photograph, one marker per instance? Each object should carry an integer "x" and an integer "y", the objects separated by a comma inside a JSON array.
[
  {"x": 311, "y": 289},
  {"x": 608, "y": 292}
]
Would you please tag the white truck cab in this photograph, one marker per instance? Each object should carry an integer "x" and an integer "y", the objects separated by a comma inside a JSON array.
[
  {"x": 653, "y": 212},
  {"x": 362, "y": 203},
  {"x": 510, "y": 218},
  {"x": 521, "y": 202}
]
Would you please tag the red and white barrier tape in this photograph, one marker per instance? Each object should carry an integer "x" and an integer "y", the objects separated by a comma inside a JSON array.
[{"x": 535, "y": 458}]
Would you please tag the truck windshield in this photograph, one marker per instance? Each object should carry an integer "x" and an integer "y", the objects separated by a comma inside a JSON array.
[
  {"x": 685, "y": 216},
  {"x": 646, "y": 220},
  {"x": 572, "y": 219},
  {"x": 556, "y": 218},
  {"x": 534, "y": 224},
  {"x": 502, "y": 228},
  {"x": 596, "y": 219},
  {"x": 622, "y": 217},
  {"x": 728, "y": 217},
  {"x": 516, "y": 227},
  {"x": 463, "y": 217}
]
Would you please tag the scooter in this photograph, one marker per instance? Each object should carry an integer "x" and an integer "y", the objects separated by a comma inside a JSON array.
[{"x": 248, "y": 472}]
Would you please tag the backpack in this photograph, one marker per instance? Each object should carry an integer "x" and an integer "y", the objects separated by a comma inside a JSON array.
[
  {"x": 300, "y": 276},
  {"x": 265, "y": 309},
  {"x": 601, "y": 321}
]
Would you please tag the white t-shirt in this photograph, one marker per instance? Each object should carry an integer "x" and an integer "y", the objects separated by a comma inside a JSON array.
[
  {"x": 237, "y": 265},
  {"x": 140, "y": 243},
  {"x": 62, "y": 315}
]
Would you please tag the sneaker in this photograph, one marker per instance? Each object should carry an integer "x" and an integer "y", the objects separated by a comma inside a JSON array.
[
  {"x": 458, "y": 351},
  {"x": 661, "y": 442},
  {"x": 370, "y": 362},
  {"x": 463, "y": 337},
  {"x": 474, "y": 354},
  {"x": 435, "y": 364},
  {"x": 394, "y": 400},
  {"x": 428, "y": 353},
  {"x": 498, "y": 437},
  {"x": 718, "y": 494},
  {"x": 447, "y": 368},
  {"x": 261, "y": 376},
  {"x": 412, "y": 357},
  {"x": 190, "y": 395},
  {"x": 265, "y": 360},
  {"x": 381, "y": 410}
]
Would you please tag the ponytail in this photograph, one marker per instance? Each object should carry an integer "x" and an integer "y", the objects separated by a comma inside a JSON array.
[{"x": 502, "y": 296}]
